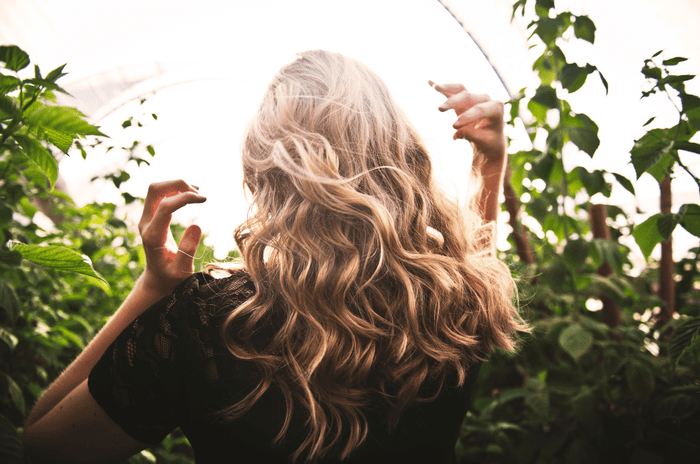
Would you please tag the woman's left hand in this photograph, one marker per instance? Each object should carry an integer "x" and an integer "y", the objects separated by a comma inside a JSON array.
[
  {"x": 168, "y": 264},
  {"x": 480, "y": 119}
]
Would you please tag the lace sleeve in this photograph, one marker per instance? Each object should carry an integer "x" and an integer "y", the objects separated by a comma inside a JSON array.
[{"x": 137, "y": 381}]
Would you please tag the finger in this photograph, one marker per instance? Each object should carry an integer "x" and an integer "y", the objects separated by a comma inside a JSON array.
[
  {"x": 486, "y": 113},
  {"x": 188, "y": 248},
  {"x": 463, "y": 100},
  {"x": 155, "y": 232},
  {"x": 447, "y": 89},
  {"x": 158, "y": 191}
]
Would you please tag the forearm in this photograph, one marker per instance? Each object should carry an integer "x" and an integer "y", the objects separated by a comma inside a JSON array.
[
  {"x": 141, "y": 298},
  {"x": 489, "y": 167}
]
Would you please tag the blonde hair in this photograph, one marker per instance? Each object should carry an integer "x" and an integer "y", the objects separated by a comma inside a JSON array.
[{"x": 380, "y": 283}]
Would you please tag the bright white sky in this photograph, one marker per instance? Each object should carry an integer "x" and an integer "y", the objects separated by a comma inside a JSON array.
[{"x": 218, "y": 56}]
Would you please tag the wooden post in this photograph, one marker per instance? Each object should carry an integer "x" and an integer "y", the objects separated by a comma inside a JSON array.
[
  {"x": 598, "y": 215},
  {"x": 522, "y": 245},
  {"x": 667, "y": 286}
]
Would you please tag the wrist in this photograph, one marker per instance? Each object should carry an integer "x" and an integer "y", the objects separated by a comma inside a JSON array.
[{"x": 153, "y": 285}]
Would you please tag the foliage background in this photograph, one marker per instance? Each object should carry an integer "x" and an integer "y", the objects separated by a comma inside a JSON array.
[{"x": 584, "y": 388}]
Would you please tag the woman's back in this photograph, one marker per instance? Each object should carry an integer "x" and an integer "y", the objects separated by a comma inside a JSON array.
[{"x": 172, "y": 370}]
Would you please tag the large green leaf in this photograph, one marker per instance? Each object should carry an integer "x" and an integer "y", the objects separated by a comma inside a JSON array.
[
  {"x": 40, "y": 155},
  {"x": 57, "y": 257},
  {"x": 582, "y": 131},
  {"x": 14, "y": 57},
  {"x": 8, "y": 83},
  {"x": 575, "y": 340},
  {"x": 60, "y": 140},
  {"x": 574, "y": 76},
  {"x": 647, "y": 235},
  {"x": 684, "y": 338},
  {"x": 9, "y": 301},
  {"x": 625, "y": 182},
  {"x": 15, "y": 393},
  {"x": 9, "y": 107},
  {"x": 652, "y": 153},
  {"x": 59, "y": 118},
  {"x": 7, "y": 337},
  {"x": 690, "y": 218},
  {"x": 584, "y": 28}
]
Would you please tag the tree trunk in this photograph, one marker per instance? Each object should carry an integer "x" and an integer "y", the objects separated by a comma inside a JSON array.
[
  {"x": 667, "y": 286},
  {"x": 598, "y": 215},
  {"x": 519, "y": 231}
]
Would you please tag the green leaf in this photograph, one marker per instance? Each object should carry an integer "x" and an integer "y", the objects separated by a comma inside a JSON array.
[
  {"x": 653, "y": 149},
  {"x": 56, "y": 74},
  {"x": 574, "y": 76},
  {"x": 584, "y": 28},
  {"x": 47, "y": 85},
  {"x": 15, "y": 393},
  {"x": 674, "y": 61},
  {"x": 9, "y": 301},
  {"x": 688, "y": 146},
  {"x": 625, "y": 182},
  {"x": 607, "y": 251},
  {"x": 575, "y": 340},
  {"x": 43, "y": 158},
  {"x": 647, "y": 235},
  {"x": 546, "y": 96},
  {"x": 60, "y": 140},
  {"x": 8, "y": 83},
  {"x": 9, "y": 107},
  {"x": 683, "y": 339},
  {"x": 689, "y": 101},
  {"x": 14, "y": 57},
  {"x": 640, "y": 380},
  {"x": 594, "y": 182},
  {"x": 603, "y": 80},
  {"x": 666, "y": 224},
  {"x": 61, "y": 119},
  {"x": 582, "y": 132},
  {"x": 652, "y": 72},
  {"x": 57, "y": 257},
  {"x": 8, "y": 338},
  {"x": 690, "y": 218},
  {"x": 151, "y": 150},
  {"x": 548, "y": 29}
]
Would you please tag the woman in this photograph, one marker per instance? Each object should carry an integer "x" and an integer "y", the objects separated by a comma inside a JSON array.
[{"x": 354, "y": 331}]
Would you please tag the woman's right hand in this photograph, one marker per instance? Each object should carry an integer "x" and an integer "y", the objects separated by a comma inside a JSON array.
[
  {"x": 167, "y": 263},
  {"x": 480, "y": 119}
]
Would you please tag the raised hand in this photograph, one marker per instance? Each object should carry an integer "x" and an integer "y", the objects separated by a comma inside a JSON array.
[
  {"x": 480, "y": 119},
  {"x": 167, "y": 264}
]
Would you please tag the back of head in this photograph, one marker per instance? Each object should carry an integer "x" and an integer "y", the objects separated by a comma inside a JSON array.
[{"x": 379, "y": 283}]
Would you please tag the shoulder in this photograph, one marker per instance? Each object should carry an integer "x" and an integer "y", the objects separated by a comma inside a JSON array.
[{"x": 216, "y": 294}]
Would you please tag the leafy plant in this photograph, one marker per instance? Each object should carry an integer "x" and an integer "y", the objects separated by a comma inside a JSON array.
[
  {"x": 64, "y": 269},
  {"x": 599, "y": 379}
]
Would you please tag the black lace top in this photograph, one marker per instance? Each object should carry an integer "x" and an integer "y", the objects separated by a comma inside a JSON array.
[{"x": 169, "y": 369}]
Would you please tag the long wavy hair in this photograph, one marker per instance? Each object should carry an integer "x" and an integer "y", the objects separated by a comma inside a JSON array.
[{"x": 378, "y": 283}]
